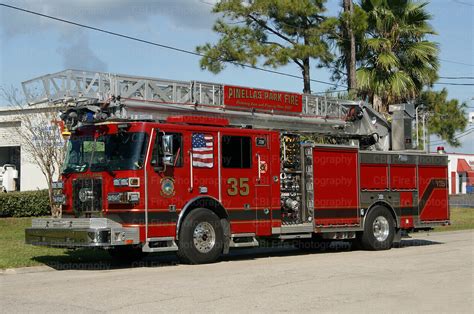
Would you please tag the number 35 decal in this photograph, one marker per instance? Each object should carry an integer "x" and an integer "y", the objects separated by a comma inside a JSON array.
[{"x": 240, "y": 187}]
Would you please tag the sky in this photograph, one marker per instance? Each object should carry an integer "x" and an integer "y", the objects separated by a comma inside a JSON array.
[{"x": 31, "y": 46}]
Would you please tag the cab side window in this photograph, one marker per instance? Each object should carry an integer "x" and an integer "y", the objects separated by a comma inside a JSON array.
[
  {"x": 157, "y": 157},
  {"x": 236, "y": 151}
]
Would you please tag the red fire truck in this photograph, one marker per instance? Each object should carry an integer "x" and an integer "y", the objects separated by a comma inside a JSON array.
[{"x": 198, "y": 168}]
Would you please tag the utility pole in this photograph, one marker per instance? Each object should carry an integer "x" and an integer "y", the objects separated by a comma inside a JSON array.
[
  {"x": 417, "y": 126},
  {"x": 426, "y": 134},
  {"x": 349, "y": 46}
]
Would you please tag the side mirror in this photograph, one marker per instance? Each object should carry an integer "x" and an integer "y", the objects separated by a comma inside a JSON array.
[{"x": 167, "y": 144}]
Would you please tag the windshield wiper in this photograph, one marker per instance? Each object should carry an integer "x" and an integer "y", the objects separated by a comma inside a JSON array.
[
  {"x": 68, "y": 171},
  {"x": 74, "y": 168},
  {"x": 98, "y": 167}
]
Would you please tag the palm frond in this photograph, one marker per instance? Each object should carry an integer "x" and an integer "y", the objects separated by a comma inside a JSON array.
[{"x": 387, "y": 61}]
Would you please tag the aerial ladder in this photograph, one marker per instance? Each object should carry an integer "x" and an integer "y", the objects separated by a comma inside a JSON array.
[{"x": 89, "y": 97}]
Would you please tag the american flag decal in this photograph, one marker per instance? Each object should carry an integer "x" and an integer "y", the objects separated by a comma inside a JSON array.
[{"x": 203, "y": 150}]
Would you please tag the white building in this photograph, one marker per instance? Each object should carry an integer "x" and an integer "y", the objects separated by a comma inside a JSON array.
[
  {"x": 30, "y": 176},
  {"x": 461, "y": 173}
]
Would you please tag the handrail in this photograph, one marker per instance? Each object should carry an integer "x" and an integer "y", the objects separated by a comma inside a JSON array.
[{"x": 191, "y": 176}]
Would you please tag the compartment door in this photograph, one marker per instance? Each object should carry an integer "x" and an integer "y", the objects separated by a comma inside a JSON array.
[
  {"x": 336, "y": 186},
  {"x": 263, "y": 182},
  {"x": 433, "y": 193}
]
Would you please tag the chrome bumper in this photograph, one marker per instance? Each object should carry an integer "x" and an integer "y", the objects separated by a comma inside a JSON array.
[{"x": 80, "y": 232}]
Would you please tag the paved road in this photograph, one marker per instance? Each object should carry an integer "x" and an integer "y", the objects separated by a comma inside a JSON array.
[{"x": 429, "y": 273}]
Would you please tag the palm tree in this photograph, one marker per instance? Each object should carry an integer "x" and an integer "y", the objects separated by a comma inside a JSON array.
[{"x": 396, "y": 60}]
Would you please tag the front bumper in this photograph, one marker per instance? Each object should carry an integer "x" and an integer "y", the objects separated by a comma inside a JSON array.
[{"x": 80, "y": 232}]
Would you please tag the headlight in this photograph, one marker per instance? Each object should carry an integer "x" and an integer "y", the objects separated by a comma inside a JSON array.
[
  {"x": 59, "y": 199},
  {"x": 133, "y": 197},
  {"x": 57, "y": 185},
  {"x": 134, "y": 182},
  {"x": 114, "y": 198},
  {"x": 123, "y": 197},
  {"x": 131, "y": 182}
]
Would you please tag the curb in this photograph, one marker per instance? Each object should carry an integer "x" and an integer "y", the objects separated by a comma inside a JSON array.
[{"x": 25, "y": 270}]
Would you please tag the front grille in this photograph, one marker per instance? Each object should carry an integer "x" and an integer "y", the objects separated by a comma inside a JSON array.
[{"x": 87, "y": 195}]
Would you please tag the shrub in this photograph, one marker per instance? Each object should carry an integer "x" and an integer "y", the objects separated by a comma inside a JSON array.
[{"x": 24, "y": 204}]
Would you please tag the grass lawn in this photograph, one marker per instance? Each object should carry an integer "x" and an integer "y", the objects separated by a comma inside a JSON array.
[
  {"x": 461, "y": 219},
  {"x": 15, "y": 253}
]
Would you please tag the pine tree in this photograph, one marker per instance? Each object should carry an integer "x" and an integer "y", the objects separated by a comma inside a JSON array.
[
  {"x": 447, "y": 117},
  {"x": 276, "y": 32}
]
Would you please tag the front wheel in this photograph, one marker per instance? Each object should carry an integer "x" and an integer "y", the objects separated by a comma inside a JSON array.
[
  {"x": 200, "y": 237},
  {"x": 379, "y": 230}
]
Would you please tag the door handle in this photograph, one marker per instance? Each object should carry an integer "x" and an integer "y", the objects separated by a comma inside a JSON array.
[
  {"x": 191, "y": 176},
  {"x": 258, "y": 166}
]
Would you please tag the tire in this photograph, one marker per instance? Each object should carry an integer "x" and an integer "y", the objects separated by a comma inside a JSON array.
[
  {"x": 379, "y": 230},
  {"x": 201, "y": 237},
  {"x": 127, "y": 253}
]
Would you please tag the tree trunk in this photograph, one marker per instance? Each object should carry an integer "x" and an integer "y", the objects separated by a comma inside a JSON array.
[
  {"x": 350, "y": 49},
  {"x": 377, "y": 103},
  {"x": 306, "y": 77}
]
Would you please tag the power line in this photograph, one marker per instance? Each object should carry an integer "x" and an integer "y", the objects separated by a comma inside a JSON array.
[
  {"x": 465, "y": 131},
  {"x": 457, "y": 77},
  {"x": 101, "y": 30},
  {"x": 464, "y": 3},
  {"x": 458, "y": 84},
  {"x": 456, "y": 62},
  {"x": 460, "y": 135},
  {"x": 330, "y": 91}
]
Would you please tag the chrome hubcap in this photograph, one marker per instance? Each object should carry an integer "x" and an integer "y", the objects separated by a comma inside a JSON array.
[
  {"x": 381, "y": 228},
  {"x": 204, "y": 237}
]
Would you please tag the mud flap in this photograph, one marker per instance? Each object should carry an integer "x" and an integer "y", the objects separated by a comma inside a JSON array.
[
  {"x": 226, "y": 231},
  {"x": 398, "y": 236}
]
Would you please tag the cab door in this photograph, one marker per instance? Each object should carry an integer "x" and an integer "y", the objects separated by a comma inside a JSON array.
[
  {"x": 202, "y": 164},
  {"x": 167, "y": 183},
  {"x": 238, "y": 178}
]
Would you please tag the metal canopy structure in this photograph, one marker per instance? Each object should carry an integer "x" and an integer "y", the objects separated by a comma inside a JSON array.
[{"x": 136, "y": 97}]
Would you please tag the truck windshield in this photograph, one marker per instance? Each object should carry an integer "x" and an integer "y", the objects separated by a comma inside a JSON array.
[{"x": 121, "y": 151}]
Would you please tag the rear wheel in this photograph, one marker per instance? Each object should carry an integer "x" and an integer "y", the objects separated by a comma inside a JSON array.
[
  {"x": 379, "y": 230},
  {"x": 200, "y": 237}
]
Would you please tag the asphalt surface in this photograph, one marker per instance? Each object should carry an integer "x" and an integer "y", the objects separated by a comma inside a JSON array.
[{"x": 428, "y": 273}]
